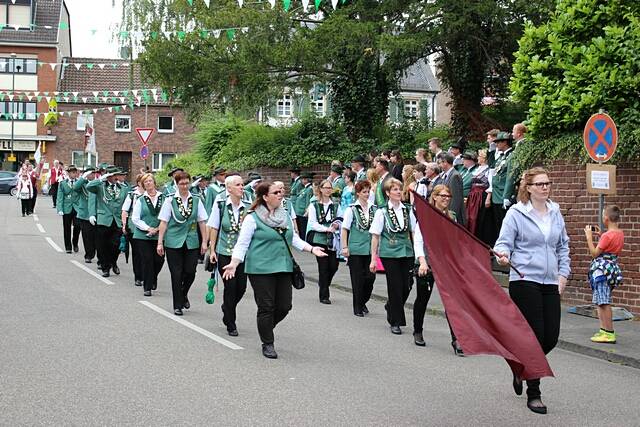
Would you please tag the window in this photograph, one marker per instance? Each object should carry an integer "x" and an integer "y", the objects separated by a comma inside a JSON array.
[
  {"x": 18, "y": 65},
  {"x": 3, "y": 14},
  {"x": 81, "y": 121},
  {"x": 123, "y": 124},
  {"x": 284, "y": 106},
  {"x": 318, "y": 106},
  {"x": 412, "y": 108},
  {"x": 161, "y": 159},
  {"x": 80, "y": 159},
  {"x": 25, "y": 110},
  {"x": 19, "y": 15},
  {"x": 165, "y": 124}
]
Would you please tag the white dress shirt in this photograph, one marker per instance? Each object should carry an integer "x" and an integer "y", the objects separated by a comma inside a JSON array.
[
  {"x": 348, "y": 214},
  {"x": 167, "y": 209},
  {"x": 137, "y": 209},
  {"x": 377, "y": 226},
  {"x": 214, "y": 218},
  {"x": 313, "y": 220},
  {"x": 246, "y": 234}
]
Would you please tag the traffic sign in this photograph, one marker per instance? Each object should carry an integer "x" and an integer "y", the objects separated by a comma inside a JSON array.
[
  {"x": 144, "y": 151},
  {"x": 600, "y": 137},
  {"x": 144, "y": 134}
]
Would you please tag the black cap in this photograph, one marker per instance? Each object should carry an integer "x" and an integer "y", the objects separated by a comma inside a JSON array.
[
  {"x": 72, "y": 168},
  {"x": 206, "y": 177},
  {"x": 295, "y": 169},
  {"x": 253, "y": 176},
  {"x": 307, "y": 175},
  {"x": 358, "y": 158},
  {"x": 337, "y": 169},
  {"x": 89, "y": 169},
  {"x": 174, "y": 170},
  {"x": 456, "y": 145}
]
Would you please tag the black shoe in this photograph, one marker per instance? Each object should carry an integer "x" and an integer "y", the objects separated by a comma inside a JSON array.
[
  {"x": 517, "y": 384},
  {"x": 99, "y": 265},
  {"x": 325, "y": 301},
  {"x": 186, "y": 304},
  {"x": 233, "y": 333},
  {"x": 23, "y": 215},
  {"x": 116, "y": 270},
  {"x": 396, "y": 330},
  {"x": 68, "y": 251},
  {"x": 359, "y": 314},
  {"x": 75, "y": 248},
  {"x": 147, "y": 293},
  {"x": 536, "y": 405},
  {"x": 457, "y": 350},
  {"x": 105, "y": 273},
  {"x": 269, "y": 352},
  {"x": 418, "y": 339},
  {"x": 154, "y": 287},
  {"x": 138, "y": 283},
  {"x": 365, "y": 310},
  {"x": 177, "y": 312},
  {"x": 87, "y": 261}
]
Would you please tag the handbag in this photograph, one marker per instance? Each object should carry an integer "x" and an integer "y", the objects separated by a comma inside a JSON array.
[{"x": 297, "y": 277}]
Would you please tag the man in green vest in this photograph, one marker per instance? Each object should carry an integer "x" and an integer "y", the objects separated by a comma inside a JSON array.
[
  {"x": 82, "y": 217},
  {"x": 302, "y": 202},
  {"x": 491, "y": 147},
  {"x": 357, "y": 164},
  {"x": 296, "y": 185},
  {"x": 502, "y": 182},
  {"x": 170, "y": 187},
  {"x": 336, "y": 179},
  {"x": 382, "y": 169},
  {"x": 68, "y": 204},
  {"x": 217, "y": 182},
  {"x": 469, "y": 166},
  {"x": 203, "y": 190},
  {"x": 110, "y": 196},
  {"x": 249, "y": 190}
]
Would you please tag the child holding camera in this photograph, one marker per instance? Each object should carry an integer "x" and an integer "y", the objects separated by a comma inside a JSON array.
[{"x": 604, "y": 272}]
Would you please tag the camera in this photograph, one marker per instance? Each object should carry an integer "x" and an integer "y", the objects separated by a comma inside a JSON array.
[{"x": 208, "y": 265}]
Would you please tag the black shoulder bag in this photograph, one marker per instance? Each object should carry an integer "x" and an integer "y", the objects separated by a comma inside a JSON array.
[{"x": 297, "y": 278}]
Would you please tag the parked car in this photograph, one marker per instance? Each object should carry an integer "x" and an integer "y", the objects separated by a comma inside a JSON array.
[{"x": 8, "y": 182}]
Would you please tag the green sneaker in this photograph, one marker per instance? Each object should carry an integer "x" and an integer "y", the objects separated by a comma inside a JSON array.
[
  {"x": 605, "y": 338},
  {"x": 597, "y": 334}
]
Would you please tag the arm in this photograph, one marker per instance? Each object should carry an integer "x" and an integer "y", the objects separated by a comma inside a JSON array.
[
  {"x": 594, "y": 250},
  {"x": 418, "y": 249},
  {"x": 60, "y": 198},
  {"x": 375, "y": 240},
  {"x": 203, "y": 232},
  {"x": 138, "y": 222},
  {"x": 511, "y": 178},
  {"x": 213, "y": 237},
  {"x": 161, "y": 231},
  {"x": 94, "y": 186},
  {"x": 506, "y": 240}
]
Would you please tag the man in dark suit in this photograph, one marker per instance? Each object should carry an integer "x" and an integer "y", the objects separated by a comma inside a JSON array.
[
  {"x": 452, "y": 179},
  {"x": 396, "y": 163}
]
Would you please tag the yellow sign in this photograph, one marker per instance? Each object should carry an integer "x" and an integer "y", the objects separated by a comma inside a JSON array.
[{"x": 11, "y": 158}]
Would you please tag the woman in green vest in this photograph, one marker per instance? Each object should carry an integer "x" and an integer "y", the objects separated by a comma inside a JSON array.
[
  {"x": 146, "y": 226},
  {"x": 180, "y": 217},
  {"x": 391, "y": 231},
  {"x": 263, "y": 245},
  {"x": 287, "y": 204},
  {"x": 356, "y": 246},
  {"x": 324, "y": 218},
  {"x": 227, "y": 215},
  {"x": 128, "y": 227}
]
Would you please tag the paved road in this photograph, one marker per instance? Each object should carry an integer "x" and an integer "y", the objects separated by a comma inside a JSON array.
[{"x": 78, "y": 351}]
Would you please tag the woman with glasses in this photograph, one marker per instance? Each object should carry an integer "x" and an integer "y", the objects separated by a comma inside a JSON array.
[
  {"x": 324, "y": 216},
  {"x": 181, "y": 215},
  {"x": 391, "y": 231},
  {"x": 533, "y": 239},
  {"x": 357, "y": 246},
  {"x": 262, "y": 245}
]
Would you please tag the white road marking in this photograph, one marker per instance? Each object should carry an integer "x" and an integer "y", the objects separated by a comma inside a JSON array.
[
  {"x": 36, "y": 218},
  {"x": 40, "y": 227},
  {"x": 53, "y": 244},
  {"x": 191, "y": 326},
  {"x": 91, "y": 272}
]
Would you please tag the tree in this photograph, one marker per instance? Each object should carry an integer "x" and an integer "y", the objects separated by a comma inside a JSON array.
[{"x": 587, "y": 57}]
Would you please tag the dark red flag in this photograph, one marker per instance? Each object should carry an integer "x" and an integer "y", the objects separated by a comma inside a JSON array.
[{"x": 482, "y": 315}]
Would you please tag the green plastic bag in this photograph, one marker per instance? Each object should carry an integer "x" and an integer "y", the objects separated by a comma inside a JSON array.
[{"x": 210, "y": 297}]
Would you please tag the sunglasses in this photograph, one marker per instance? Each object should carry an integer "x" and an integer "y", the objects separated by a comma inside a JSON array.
[{"x": 541, "y": 184}]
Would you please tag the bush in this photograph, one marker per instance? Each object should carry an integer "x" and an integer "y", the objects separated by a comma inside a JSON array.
[
  {"x": 214, "y": 132},
  {"x": 192, "y": 162}
]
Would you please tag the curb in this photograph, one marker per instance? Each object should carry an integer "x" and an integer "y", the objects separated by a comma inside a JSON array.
[{"x": 609, "y": 356}]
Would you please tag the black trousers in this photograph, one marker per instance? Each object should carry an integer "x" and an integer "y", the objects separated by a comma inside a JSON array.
[
  {"x": 26, "y": 206},
  {"x": 88, "y": 238},
  {"x": 361, "y": 280},
  {"x": 424, "y": 287},
  {"x": 540, "y": 305},
  {"x": 182, "y": 266},
  {"x": 108, "y": 239},
  {"x": 136, "y": 257},
  {"x": 69, "y": 221},
  {"x": 273, "y": 295},
  {"x": 151, "y": 262},
  {"x": 53, "y": 192},
  {"x": 234, "y": 290},
  {"x": 327, "y": 267},
  {"x": 32, "y": 201},
  {"x": 398, "y": 272},
  {"x": 498, "y": 213},
  {"x": 301, "y": 221}
]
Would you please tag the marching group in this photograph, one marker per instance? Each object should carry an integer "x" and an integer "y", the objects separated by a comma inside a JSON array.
[{"x": 362, "y": 216}]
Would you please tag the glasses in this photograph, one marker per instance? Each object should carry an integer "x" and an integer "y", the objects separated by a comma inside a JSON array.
[
  {"x": 444, "y": 196},
  {"x": 541, "y": 184},
  {"x": 326, "y": 188},
  {"x": 275, "y": 193}
]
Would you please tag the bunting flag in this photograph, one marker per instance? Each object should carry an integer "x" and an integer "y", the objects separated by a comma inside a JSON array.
[
  {"x": 102, "y": 95},
  {"x": 70, "y": 113},
  {"x": 480, "y": 312}
]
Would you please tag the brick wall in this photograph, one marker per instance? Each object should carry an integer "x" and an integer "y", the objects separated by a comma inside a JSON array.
[{"x": 109, "y": 141}]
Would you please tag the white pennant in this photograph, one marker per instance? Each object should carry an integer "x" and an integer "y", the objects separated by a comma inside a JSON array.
[
  {"x": 216, "y": 33},
  {"x": 116, "y": 93},
  {"x": 95, "y": 93},
  {"x": 66, "y": 99},
  {"x": 48, "y": 98},
  {"x": 272, "y": 3},
  {"x": 95, "y": 110},
  {"x": 167, "y": 34},
  {"x": 207, "y": 2},
  {"x": 77, "y": 66},
  {"x": 240, "y": 3},
  {"x": 29, "y": 97},
  {"x": 305, "y": 5},
  {"x": 244, "y": 29},
  {"x": 124, "y": 107},
  {"x": 11, "y": 97},
  {"x": 84, "y": 99},
  {"x": 135, "y": 92},
  {"x": 110, "y": 109},
  {"x": 75, "y": 94},
  {"x": 53, "y": 65},
  {"x": 334, "y": 3},
  {"x": 56, "y": 93},
  {"x": 101, "y": 66},
  {"x": 125, "y": 64},
  {"x": 105, "y": 99},
  {"x": 122, "y": 99}
]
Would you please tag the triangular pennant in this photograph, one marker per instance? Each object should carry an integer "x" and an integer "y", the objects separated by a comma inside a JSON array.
[
  {"x": 122, "y": 99},
  {"x": 75, "y": 94},
  {"x": 286, "y": 4},
  {"x": 240, "y": 3},
  {"x": 154, "y": 35},
  {"x": 305, "y": 5},
  {"x": 206, "y": 2},
  {"x": 231, "y": 33},
  {"x": 272, "y": 3},
  {"x": 95, "y": 93},
  {"x": 116, "y": 92},
  {"x": 95, "y": 110},
  {"x": 77, "y": 66},
  {"x": 45, "y": 93},
  {"x": 244, "y": 29},
  {"x": 204, "y": 34},
  {"x": 181, "y": 35},
  {"x": 90, "y": 66},
  {"x": 65, "y": 93},
  {"x": 135, "y": 92},
  {"x": 66, "y": 99},
  {"x": 39, "y": 98},
  {"x": 84, "y": 99},
  {"x": 334, "y": 3},
  {"x": 105, "y": 99},
  {"x": 318, "y": 4},
  {"x": 48, "y": 98},
  {"x": 56, "y": 93},
  {"x": 64, "y": 26},
  {"x": 216, "y": 33},
  {"x": 124, "y": 34},
  {"x": 101, "y": 66},
  {"x": 53, "y": 65},
  {"x": 116, "y": 108},
  {"x": 190, "y": 2},
  {"x": 167, "y": 34},
  {"x": 110, "y": 109},
  {"x": 93, "y": 32}
]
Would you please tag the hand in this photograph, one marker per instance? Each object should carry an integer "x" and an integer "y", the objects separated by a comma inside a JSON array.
[
  {"x": 124, "y": 230},
  {"x": 160, "y": 249},
  {"x": 229, "y": 271},
  {"x": 332, "y": 228},
  {"x": 104, "y": 177},
  {"x": 562, "y": 283},
  {"x": 423, "y": 269},
  {"x": 506, "y": 203},
  {"x": 487, "y": 202},
  {"x": 204, "y": 247},
  {"x": 345, "y": 252},
  {"x": 502, "y": 259},
  {"x": 60, "y": 213},
  {"x": 152, "y": 231},
  {"x": 317, "y": 251},
  {"x": 213, "y": 257},
  {"x": 86, "y": 174},
  {"x": 372, "y": 266},
  {"x": 92, "y": 220}
]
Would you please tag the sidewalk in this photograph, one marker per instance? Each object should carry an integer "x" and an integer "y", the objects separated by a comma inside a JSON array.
[{"x": 574, "y": 333}]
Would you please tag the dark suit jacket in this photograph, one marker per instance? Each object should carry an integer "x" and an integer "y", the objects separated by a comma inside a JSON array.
[
  {"x": 397, "y": 172},
  {"x": 454, "y": 182}
]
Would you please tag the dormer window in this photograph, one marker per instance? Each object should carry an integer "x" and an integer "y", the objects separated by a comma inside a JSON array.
[{"x": 16, "y": 14}]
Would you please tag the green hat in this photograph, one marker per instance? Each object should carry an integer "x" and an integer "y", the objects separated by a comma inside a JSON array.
[
  {"x": 504, "y": 136},
  {"x": 174, "y": 170},
  {"x": 337, "y": 169},
  {"x": 358, "y": 158},
  {"x": 470, "y": 155},
  {"x": 72, "y": 168},
  {"x": 219, "y": 170},
  {"x": 89, "y": 169},
  {"x": 112, "y": 169},
  {"x": 253, "y": 176},
  {"x": 121, "y": 172},
  {"x": 307, "y": 175},
  {"x": 206, "y": 177},
  {"x": 103, "y": 166},
  {"x": 295, "y": 169}
]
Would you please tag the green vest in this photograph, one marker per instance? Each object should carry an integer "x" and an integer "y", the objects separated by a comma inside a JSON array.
[
  {"x": 183, "y": 230},
  {"x": 395, "y": 245},
  {"x": 67, "y": 198},
  {"x": 83, "y": 202},
  {"x": 207, "y": 197},
  {"x": 295, "y": 190},
  {"x": 217, "y": 188},
  {"x": 381, "y": 197},
  {"x": 134, "y": 197},
  {"x": 149, "y": 215},
  {"x": 249, "y": 193},
  {"x": 320, "y": 238},
  {"x": 467, "y": 176},
  {"x": 228, "y": 235},
  {"x": 303, "y": 200},
  {"x": 359, "y": 236},
  {"x": 339, "y": 184},
  {"x": 268, "y": 253},
  {"x": 108, "y": 206},
  {"x": 502, "y": 182},
  {"x": 169, "y": 188}
]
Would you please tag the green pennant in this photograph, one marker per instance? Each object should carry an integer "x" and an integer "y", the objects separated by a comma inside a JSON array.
[
  {"x": 64, "y": 26},
  {"x": 318, "y": 4},
  {"x": 39, "y": 98},
  {"x": 75, "y": 99},
  {"x": 181, "y": 35},
  {"x": 125, "y": 93},
  {"x": 114, "y": 66},
  {"x": 190, "y": 2},
  {"x": 2, "y": 26},
  {"x": 164, "y": 96},
  {"x": 231, "y": 33},
  {"x": 65, "y": 94},
  {"x": 37, "y": 115},
  {"x": 114, "y": 99},
  {"x": 41, "y": 64},
  {"x": 154, "y": 35},
  {"x": 21, "y": 116},
  {"x": 204, "y": 34},
  {"x": 90, "y": 66},
  {"x": 287, "y": 5},
  {"x": 45, "y": 93},
  {"x": 116, "y": 109},
  {"x": 20, "y": 97},
  {"x": 124, "y": 34},
  {"x": 58, "y": 99},
  {"x": 93, "y": 32},
  {"x": 105, "y": 93}
]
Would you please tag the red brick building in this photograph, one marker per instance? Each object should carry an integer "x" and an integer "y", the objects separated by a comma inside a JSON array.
[
  {"x": 100, "y": 88},
  {"x": 34, "y": 37}
]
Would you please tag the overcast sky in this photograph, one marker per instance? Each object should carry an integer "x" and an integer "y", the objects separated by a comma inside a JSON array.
[{"x": 99, "y": 15}]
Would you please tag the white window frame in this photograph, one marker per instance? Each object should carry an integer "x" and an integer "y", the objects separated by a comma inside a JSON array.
[
  {"x": 158, "y": 167},
  {"x": 173, "y": 124},
  {"x": 91, "y": 159},
  {"x": 411, "y": 108},
  {"x": 319, "y": 106},
  {"x": 81, "y": 123},
  {"x": 284, "y": 106},
  {"x": 115, "y": 123}
]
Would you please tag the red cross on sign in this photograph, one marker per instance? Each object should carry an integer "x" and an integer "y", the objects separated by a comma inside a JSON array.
[{"x": 600, "y": 137}]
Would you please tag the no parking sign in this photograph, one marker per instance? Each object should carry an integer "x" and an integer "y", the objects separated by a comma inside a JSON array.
[{"x": 600, "y": 137}]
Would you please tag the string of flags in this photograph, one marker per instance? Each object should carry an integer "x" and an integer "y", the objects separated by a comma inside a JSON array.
[
  {"x": 104, "y": 96},
  {"x": 22, "y": 116}
]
